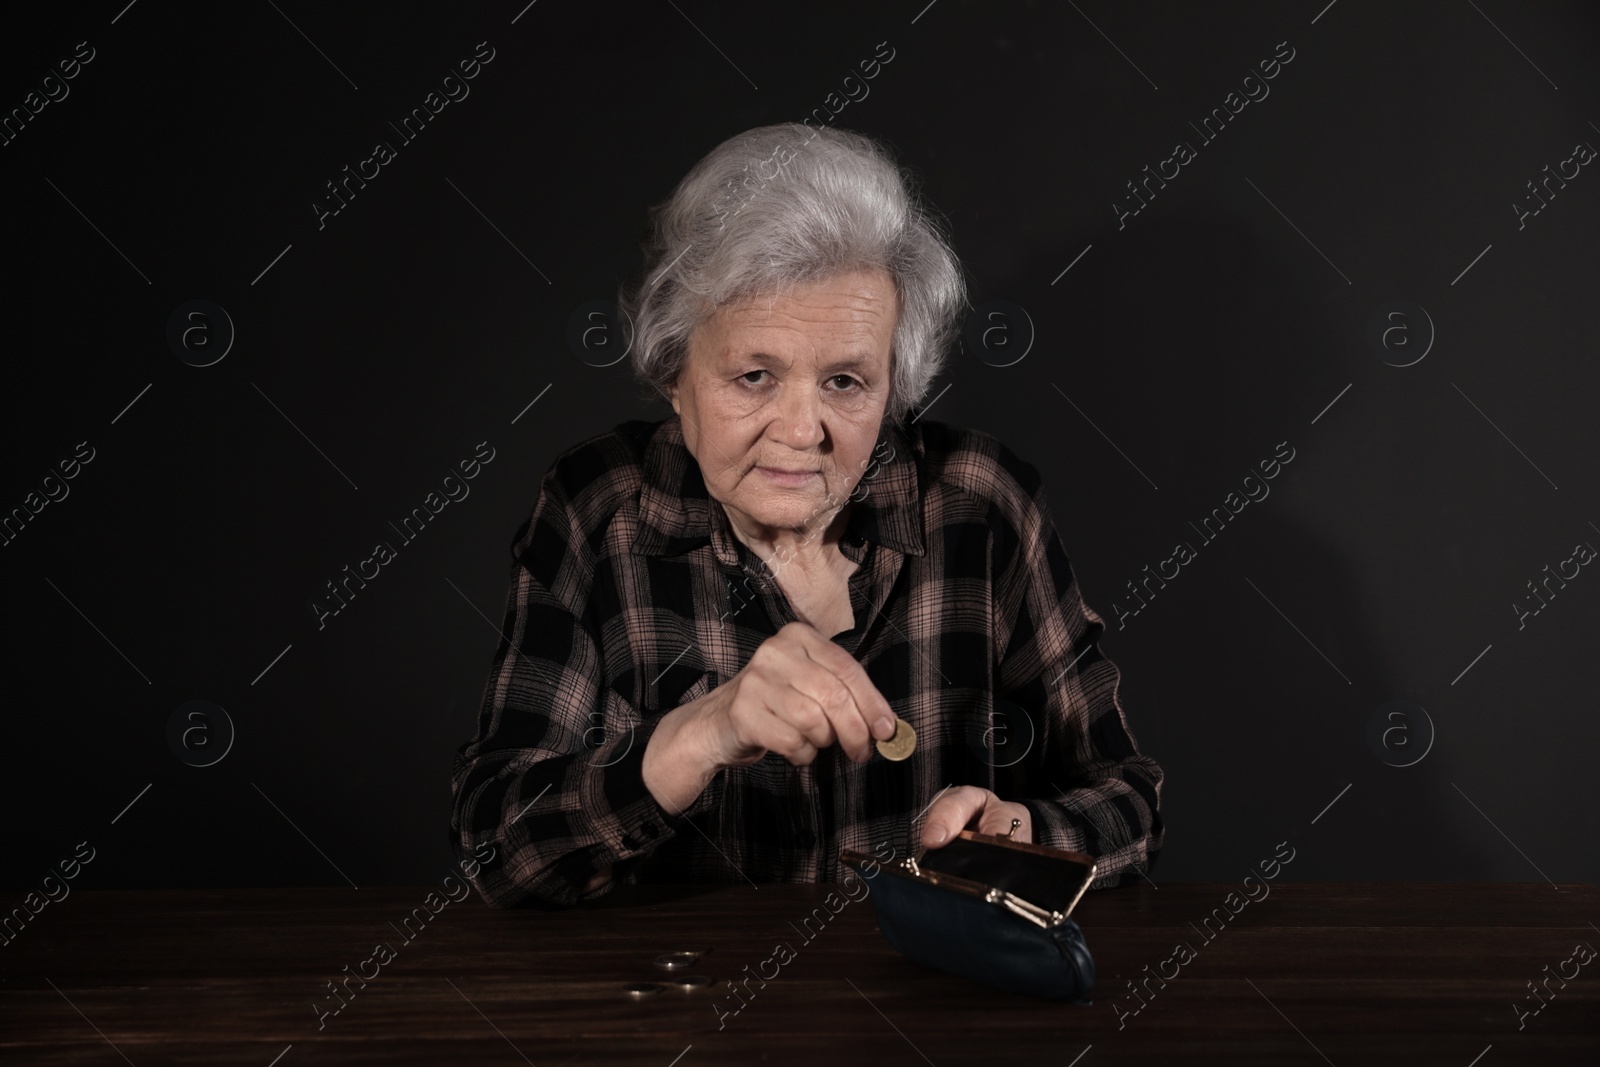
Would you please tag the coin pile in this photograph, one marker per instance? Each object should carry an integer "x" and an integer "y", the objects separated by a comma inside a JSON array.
[{"x": 674, "y": 963}]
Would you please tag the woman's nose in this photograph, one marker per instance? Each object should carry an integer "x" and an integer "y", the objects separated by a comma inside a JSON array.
[{"x": 800, "y": 417}]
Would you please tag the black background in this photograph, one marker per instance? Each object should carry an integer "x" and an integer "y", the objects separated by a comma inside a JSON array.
[{"x": 1178, "y": 351}]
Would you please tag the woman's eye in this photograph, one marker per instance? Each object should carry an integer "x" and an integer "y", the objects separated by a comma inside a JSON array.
[{"x": 843, "y": 382}]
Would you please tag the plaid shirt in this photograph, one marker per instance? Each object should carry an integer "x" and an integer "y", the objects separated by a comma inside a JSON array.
[{"x": 630, "y": 596}]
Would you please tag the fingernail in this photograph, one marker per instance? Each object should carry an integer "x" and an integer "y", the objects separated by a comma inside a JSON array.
[
  {"x": 938, "y": 835},
  {"x": 885, "y": 727}
]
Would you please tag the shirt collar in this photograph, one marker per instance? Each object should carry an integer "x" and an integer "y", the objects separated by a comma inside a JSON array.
[{"x": 677, "y": 513}]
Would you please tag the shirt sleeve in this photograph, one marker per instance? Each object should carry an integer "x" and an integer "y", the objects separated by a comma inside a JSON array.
[
  {"x": 1086, "y": 785},
  {"x": 554, "y": 779}
]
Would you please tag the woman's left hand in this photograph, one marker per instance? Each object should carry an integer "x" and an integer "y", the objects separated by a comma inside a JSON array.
[{"x": 969, "y": 807}]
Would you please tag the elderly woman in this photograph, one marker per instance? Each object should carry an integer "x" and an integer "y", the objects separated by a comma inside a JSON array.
[{"x": 714, "y": 617}]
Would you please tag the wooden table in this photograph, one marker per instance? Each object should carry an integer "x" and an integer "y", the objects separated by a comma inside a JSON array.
[{"x": 1347, "y": 974}]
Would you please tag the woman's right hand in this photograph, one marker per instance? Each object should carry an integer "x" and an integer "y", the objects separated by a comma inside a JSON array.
[{"x": 799, "y": 693}]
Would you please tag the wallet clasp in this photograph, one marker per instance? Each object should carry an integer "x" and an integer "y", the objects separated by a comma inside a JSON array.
[{"x": 1066, "y": 886}]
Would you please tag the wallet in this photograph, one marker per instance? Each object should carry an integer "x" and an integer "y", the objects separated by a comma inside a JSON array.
[{"x": 989, "y": 909}]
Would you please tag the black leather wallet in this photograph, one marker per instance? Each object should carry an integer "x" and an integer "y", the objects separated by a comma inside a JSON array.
[{"x": 987, "y": 908}]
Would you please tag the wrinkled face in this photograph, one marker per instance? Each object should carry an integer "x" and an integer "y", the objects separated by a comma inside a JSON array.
[{"x": 782, "y": 397}]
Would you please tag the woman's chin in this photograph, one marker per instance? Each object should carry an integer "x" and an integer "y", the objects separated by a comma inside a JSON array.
[{"x": 790, "y": 510}]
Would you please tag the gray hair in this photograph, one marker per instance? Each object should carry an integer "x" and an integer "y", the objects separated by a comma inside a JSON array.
[{"x": 786, "y": 204}]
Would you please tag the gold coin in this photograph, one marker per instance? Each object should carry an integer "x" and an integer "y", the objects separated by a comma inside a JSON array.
[{"x": 902, "y": 744}]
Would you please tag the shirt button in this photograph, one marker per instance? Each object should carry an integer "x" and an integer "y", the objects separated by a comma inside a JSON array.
[
  {"x": 629, "y": 841},
  {"x": 650, "y": 829}
]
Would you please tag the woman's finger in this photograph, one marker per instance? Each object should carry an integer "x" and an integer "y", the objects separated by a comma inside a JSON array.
[
  {"x": 870, "y": 704},
  {"x": 951, "y": 812},
  {"x": 821, "y": 688}
]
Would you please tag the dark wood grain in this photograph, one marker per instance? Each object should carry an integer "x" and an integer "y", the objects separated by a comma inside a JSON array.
[{"x": 1357, "y": 974}]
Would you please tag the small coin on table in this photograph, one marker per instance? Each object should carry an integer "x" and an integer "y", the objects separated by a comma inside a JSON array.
[
  {"x": 677, "y": 961},
  {"x": 902, "y": 744},
  {"x": 640, "y": 990}
]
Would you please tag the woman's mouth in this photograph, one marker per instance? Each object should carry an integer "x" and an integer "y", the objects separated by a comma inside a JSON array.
[{"x": 779, "y": 476}]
